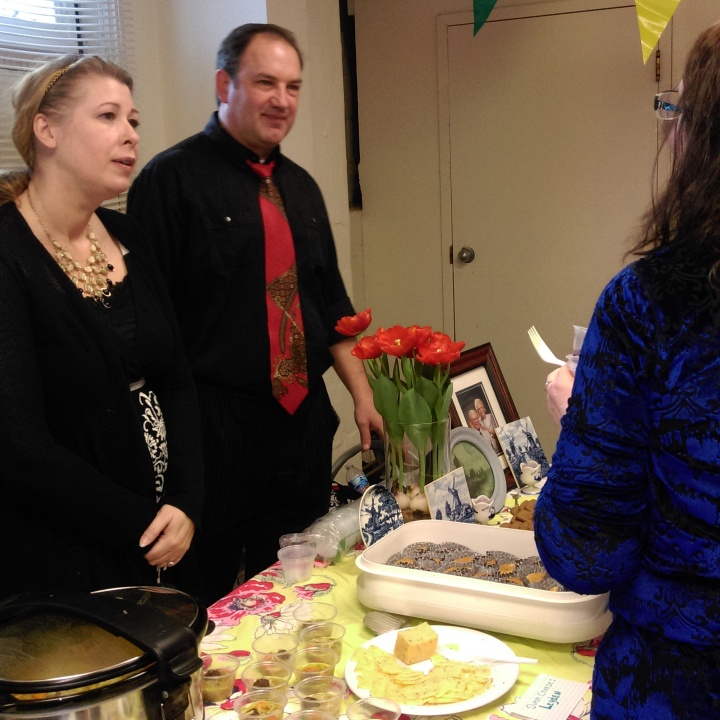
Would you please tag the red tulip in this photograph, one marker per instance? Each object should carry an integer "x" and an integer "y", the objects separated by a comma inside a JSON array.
[
  {"x": 420, "y": 334},
  {"x": 367, "y": 349},
  {"x": 352, "y": 325},
  {"x": 439, "y": 349},
  {"x": 396, "y": 341}
]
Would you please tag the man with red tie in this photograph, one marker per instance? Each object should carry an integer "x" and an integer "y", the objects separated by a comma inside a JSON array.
[{"x": 243, "y": 237}]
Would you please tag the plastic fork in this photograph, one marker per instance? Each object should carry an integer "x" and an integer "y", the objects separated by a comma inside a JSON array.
[
  {"x": 542, "y": 349},
  {"x": 450, "y": 654}
]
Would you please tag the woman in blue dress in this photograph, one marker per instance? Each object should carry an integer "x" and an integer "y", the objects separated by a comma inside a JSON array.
[{"x": 632, "y": 501}]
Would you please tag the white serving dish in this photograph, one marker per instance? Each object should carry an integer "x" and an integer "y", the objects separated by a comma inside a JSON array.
[{"x": 558, "y": 617}]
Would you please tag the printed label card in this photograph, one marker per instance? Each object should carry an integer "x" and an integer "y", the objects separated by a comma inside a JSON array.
[{"x": 548, "y": 698}]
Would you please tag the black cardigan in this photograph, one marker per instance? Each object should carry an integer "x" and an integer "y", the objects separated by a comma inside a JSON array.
[{"x": 76, "y": 480}]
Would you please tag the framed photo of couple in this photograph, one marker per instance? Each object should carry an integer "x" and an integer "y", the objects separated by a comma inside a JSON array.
[{"x": 481, "y": 399}]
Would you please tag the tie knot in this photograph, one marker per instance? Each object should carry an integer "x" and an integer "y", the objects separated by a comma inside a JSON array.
[{"x": 263, "y": 170}]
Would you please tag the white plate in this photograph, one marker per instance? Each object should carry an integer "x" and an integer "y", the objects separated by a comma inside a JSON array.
[
  {"x": 465, "y": 640},
  {"x": 379, "y": 514}
]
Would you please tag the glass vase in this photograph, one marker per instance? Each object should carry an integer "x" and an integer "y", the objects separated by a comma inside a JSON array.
[{"x": 415, "y": 455}]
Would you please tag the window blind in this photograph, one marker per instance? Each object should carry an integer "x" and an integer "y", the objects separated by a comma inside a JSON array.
[{"x": 34, "y": 31}]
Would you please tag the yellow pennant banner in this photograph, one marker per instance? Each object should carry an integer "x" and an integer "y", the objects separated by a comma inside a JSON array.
[{"x": 653, "y": 17}]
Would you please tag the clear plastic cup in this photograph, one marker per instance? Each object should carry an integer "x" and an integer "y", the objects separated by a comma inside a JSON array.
[
  {"x": 321, "y": 693},
  {"x": 273, "y": 674},
  {"x": 217, "y": 677},
  {"x": 261, "y": 705},
  {"x": 311, "y": 661},
  {"x": 322, "y": 553},
  {"x": 310, "y": 613},
  {"x": 294, "y": 539},
  {"x": 297, "y": 562},
  {"x": 375, "y": 708},
  {"x": 324, "y": 634},
  {"x": 310, "y": 715},
  {"x": 275, "y": 646}
]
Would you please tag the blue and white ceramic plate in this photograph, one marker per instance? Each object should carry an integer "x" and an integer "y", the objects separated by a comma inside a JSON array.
[{"x": 379, "y": 514}]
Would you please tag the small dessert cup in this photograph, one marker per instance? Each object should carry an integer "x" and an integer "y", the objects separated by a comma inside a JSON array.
[
  {"x": 321, "y": 693},
  {"x": 310, "y": 715},
  {"x": 311, "y": 661},
  {"x": 273, "y": 674},
  {"x": 217, "y": 677},
  {"x": 310, "y": 613},
  {"x": 275, "y": 646},
  {"x": 328, "y": 634},
  {"x": 373, "y": 708},
  {"x": 266, "y": 704}
]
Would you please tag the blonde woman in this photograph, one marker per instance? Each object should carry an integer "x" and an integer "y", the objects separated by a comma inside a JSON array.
[{"x": 101, "y": 478}]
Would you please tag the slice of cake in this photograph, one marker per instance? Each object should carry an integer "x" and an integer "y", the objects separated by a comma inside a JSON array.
[{"x": 416, "y": 644}]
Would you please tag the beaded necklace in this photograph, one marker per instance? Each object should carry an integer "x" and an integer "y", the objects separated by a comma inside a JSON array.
[{"x": 92, "y": 279}]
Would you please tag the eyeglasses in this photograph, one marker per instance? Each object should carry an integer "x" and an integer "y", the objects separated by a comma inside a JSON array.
[{"x": 666, "y": 105}]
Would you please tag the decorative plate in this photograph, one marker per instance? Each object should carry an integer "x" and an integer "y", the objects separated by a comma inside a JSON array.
[
  {"x": 473, "y": 642},
  {"x": 483, "y": 472},
  {"x": 379, "y": 514}
]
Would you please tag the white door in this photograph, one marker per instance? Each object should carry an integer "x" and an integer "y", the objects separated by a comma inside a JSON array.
[{"x": 540, "y": 108}]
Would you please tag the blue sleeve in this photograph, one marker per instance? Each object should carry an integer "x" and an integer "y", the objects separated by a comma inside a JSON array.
[{"x": 592, "y": 514}]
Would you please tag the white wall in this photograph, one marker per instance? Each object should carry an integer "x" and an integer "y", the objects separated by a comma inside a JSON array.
[{"x": 176, "y": 43}]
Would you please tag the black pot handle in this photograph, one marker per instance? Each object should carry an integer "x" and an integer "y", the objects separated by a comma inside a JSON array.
[{"x": 171, "y": 644}]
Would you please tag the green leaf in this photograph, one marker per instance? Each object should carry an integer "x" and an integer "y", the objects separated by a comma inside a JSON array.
[
  {"x": 428, "y": 390},
  {"x": 414, "y": 409},
  {"x": 385, "y": 397},
  {"x": 443, "y": 404},
  {"x": 415, "y": 416},
  {"x": 408, "y": 372}
]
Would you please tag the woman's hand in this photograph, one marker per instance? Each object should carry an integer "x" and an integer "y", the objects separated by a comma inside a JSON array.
[
  {"x": 558, "y": 387},
  {"x": 171, "y": 532}
]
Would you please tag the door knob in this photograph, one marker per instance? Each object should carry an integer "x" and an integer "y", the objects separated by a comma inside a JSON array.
[{"x": 466, "y": 255}]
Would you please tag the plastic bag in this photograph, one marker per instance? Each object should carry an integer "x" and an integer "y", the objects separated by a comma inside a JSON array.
[{"x": 578, "y": 339}]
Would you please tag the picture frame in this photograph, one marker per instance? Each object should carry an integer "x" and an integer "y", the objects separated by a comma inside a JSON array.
[{"x": 476, "y": 376}]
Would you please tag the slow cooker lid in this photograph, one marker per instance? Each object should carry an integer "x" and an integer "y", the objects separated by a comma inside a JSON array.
[
  {"x": 54, "y": 648},
  {"x": 177, "y": 605},
  {"x": 58, "y": 641}
]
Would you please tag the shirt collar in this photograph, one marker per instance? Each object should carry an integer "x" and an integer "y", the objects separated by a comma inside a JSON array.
[{"x": 229, "y": 146}]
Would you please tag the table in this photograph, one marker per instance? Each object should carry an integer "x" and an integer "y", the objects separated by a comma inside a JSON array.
[{"x": 264, "y": 604}]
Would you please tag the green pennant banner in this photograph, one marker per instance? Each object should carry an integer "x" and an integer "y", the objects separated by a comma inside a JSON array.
[{"x": 481, "y": 9}]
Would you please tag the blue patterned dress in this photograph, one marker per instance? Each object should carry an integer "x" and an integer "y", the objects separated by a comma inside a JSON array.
[{"x": 632, "y": 500}]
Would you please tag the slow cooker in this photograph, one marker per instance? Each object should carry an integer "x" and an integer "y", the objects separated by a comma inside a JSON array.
[{"x": 121, "y": 653}]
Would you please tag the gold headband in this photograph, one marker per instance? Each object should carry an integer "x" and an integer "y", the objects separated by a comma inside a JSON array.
[{"x": 55, "y": 78}]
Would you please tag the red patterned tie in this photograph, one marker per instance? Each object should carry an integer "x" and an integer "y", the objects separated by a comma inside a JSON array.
[{"x": 288, "y": 359}]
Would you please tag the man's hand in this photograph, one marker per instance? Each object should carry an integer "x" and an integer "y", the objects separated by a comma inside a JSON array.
[{"x": 352, "y": 373}]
